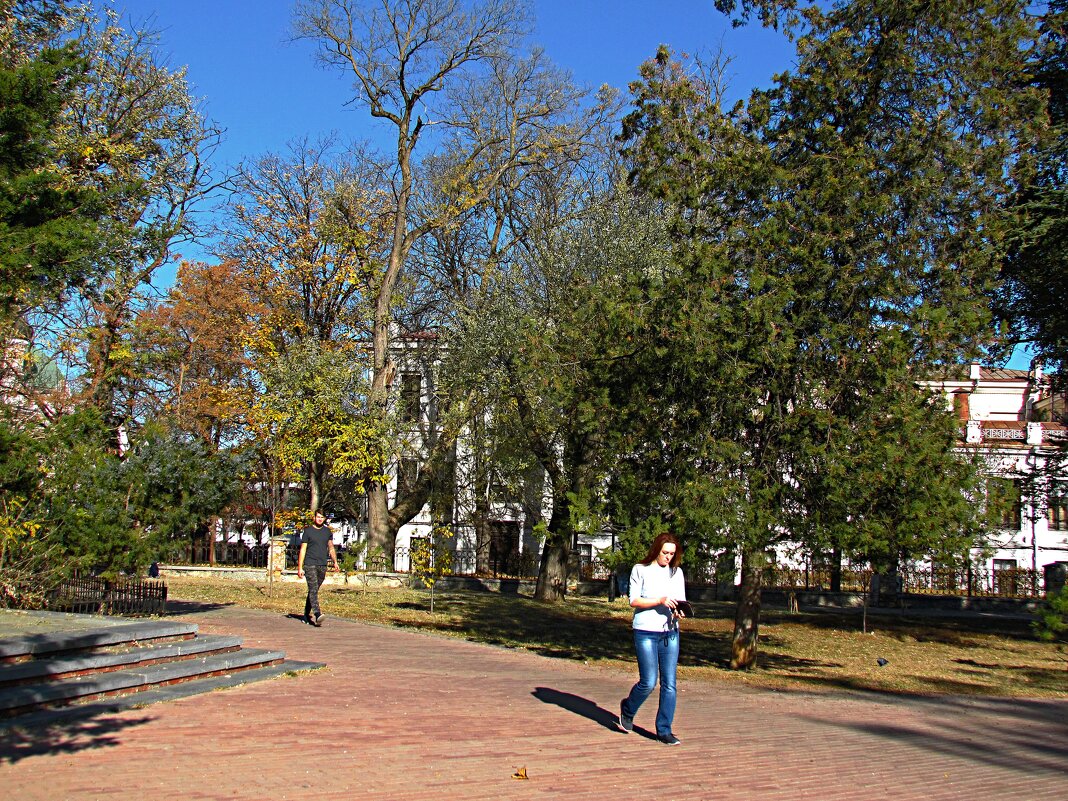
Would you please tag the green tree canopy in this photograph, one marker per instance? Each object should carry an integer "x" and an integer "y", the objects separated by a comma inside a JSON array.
[
  {"x": 835, "y": 237},
  {"x": 48, "y": 226},
  {"x": 1034, "y": 300}
]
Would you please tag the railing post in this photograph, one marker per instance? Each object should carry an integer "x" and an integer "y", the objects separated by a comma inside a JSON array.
[{"x": 276, "y": 558}]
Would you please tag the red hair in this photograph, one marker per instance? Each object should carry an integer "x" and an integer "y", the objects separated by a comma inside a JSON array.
[{"x": 658, "y": 544}]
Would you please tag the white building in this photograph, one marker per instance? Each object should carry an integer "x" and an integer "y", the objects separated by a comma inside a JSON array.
[{"x": 1015, "y": 422}]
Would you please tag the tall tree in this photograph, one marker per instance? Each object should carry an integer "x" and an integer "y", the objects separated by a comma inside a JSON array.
[
  {"x": 309, "y": 232},
  {"x": 137, "y": 138},
  {"x": 47, "y": 223},
  {"x": 193, "y": 350},
  {"x": 835, "y": 236},
  {"x": 448, "y": 75},
  {"x": 1035, "y": 291},
  {"x": 551, "y": 344}
]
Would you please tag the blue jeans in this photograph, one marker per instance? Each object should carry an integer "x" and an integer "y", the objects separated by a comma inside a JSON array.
[{"x": 658, "y": 653}]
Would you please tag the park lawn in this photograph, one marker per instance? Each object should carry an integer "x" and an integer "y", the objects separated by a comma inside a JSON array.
[{"x": 809, "y": 650}]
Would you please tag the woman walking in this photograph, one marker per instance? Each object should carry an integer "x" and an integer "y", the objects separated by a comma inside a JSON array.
[{"x": 656, "y": 587}]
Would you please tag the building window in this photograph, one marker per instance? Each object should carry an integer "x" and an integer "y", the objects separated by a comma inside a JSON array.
[
  {"x": 407, "y": 475},
  {"x": 411, "y": 397},
  {"x": 1004, "y": 499},
  {"x": 1006, "y": 577},
  {"x": 504, "y": 547},
  {"x": 1057, "y": 508}
]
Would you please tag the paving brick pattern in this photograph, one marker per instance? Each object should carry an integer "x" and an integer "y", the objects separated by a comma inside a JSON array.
[{"x": 403, "y": 715}]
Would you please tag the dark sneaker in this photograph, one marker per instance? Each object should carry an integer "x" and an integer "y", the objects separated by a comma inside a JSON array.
[
  {"x": 317, "y": 620},
  {"x": 669, "y": 739},
  {"x": 626, "y": 722}
]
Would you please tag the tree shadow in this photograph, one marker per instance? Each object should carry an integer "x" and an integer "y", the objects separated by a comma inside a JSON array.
[
  {"x": 908, "y": 625},
  {"x": 952, "y": 728},
  {"x": 175, "y": 608},
  {"x": 539, "y": 628},
  {"x": 80, "y": 730},
  {"x": 1054, "y": 678}
]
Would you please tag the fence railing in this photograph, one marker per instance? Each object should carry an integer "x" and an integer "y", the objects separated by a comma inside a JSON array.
[
  {"x": 94, "y": 595},
  {"x": 1010, "y": 583},
  {"x": 465, "y": 562},
  {"x": 973, "y": 581},
  {"x": 227, "y": 554}
]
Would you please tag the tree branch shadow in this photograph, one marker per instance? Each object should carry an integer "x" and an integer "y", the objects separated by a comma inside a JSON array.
[{"x": 81, "y": 730}]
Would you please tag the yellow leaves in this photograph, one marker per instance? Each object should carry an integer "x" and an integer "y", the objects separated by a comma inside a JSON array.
[
  {"x": 292, "y": 518},
  {"x": 15, "y": 527},
  {"x": 122, "y": 353},
  {"x": 430, "y": 557}
]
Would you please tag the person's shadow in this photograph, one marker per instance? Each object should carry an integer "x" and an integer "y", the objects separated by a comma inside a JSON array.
[{"x": 585, "y": 708}]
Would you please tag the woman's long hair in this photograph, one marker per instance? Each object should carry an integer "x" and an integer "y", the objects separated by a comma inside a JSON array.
[{"x": 658, "y": 544}]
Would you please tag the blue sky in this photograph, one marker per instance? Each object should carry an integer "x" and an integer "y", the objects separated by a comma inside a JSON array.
[{"x": 266, "y": 90}]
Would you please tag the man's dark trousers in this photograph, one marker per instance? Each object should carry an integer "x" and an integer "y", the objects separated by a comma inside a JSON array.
[{"x": 315, "y": 576}]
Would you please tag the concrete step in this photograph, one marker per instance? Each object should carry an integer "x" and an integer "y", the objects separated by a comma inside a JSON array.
[
  {"x": 74, "y": 664},
  {"x": 20, "y": 648},
  {"x": 40, "y": 718},
  {"x": 22, "y": 698}
]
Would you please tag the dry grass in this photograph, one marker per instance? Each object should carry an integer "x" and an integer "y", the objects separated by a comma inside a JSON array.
[{"x": 817, "y": 650}]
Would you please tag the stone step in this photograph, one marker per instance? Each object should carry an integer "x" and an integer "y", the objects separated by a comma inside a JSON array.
[
  {"x": 38, "y": 719},
  {"x": 73, "y": 664},
  {"x": 21, "y": 648},
  {"x": 18, "y": 699}
]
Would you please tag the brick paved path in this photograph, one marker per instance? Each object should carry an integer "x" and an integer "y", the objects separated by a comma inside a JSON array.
[{"x": 403, "y": 715}]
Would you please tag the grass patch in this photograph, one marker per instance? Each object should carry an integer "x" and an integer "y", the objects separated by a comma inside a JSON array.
[{"x": 817, "y": 650}]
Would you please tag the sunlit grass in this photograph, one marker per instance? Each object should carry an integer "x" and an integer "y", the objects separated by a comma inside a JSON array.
[{"x": 807, "y": 650}]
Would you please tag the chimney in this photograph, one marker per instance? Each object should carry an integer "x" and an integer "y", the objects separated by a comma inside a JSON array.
[
  {"x": 1034, "y": 433},
  {"x": 962, "y": 404},
  {"x": 976, "y": 372}
]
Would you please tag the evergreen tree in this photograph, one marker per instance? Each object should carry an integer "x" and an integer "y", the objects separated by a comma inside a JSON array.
[
  {"x": 47, "y": 223},
  {"x": 836, "y": 237},
  {"x": 1034, "y": 300}
]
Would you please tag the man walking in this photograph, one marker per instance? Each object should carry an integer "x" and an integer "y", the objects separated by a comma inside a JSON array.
[{"x": 316, "y": 544}]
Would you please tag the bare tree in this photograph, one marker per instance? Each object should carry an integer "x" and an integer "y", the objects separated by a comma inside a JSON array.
[{"x": 469, "y": 113}]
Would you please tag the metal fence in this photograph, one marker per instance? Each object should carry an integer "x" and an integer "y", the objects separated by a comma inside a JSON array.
[
  {"x": 227, "y": 554},
  {"x": 965, "y": 580},
  {"x": 968, "y": 581},
  {"x": 95, "y": 595}
]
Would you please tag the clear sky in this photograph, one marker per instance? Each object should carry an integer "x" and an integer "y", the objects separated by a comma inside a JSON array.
[{"x": 266, "y": 90}]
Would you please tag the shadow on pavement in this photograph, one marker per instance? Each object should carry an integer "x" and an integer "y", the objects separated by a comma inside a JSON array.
[
  {"x": 1037, "y": 743},
  {"x": 578, "y": 705},
  {"x": 585, "y": 708},
  {"x": 18, "y": 742},
  {"x": 193, "y": 607}
]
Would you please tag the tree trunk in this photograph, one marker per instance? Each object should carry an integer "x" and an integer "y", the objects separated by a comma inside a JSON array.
[
  {"x": 379, "y": 533},
  {"x": 747, "y": 616},
  {"x": 482, "y": 536},
  {"x": 836, "y": 570},
  {"x": 315, "y": 485},
  {"x": 555, "y": 554},
  {"x": 552, "y": 573}
]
